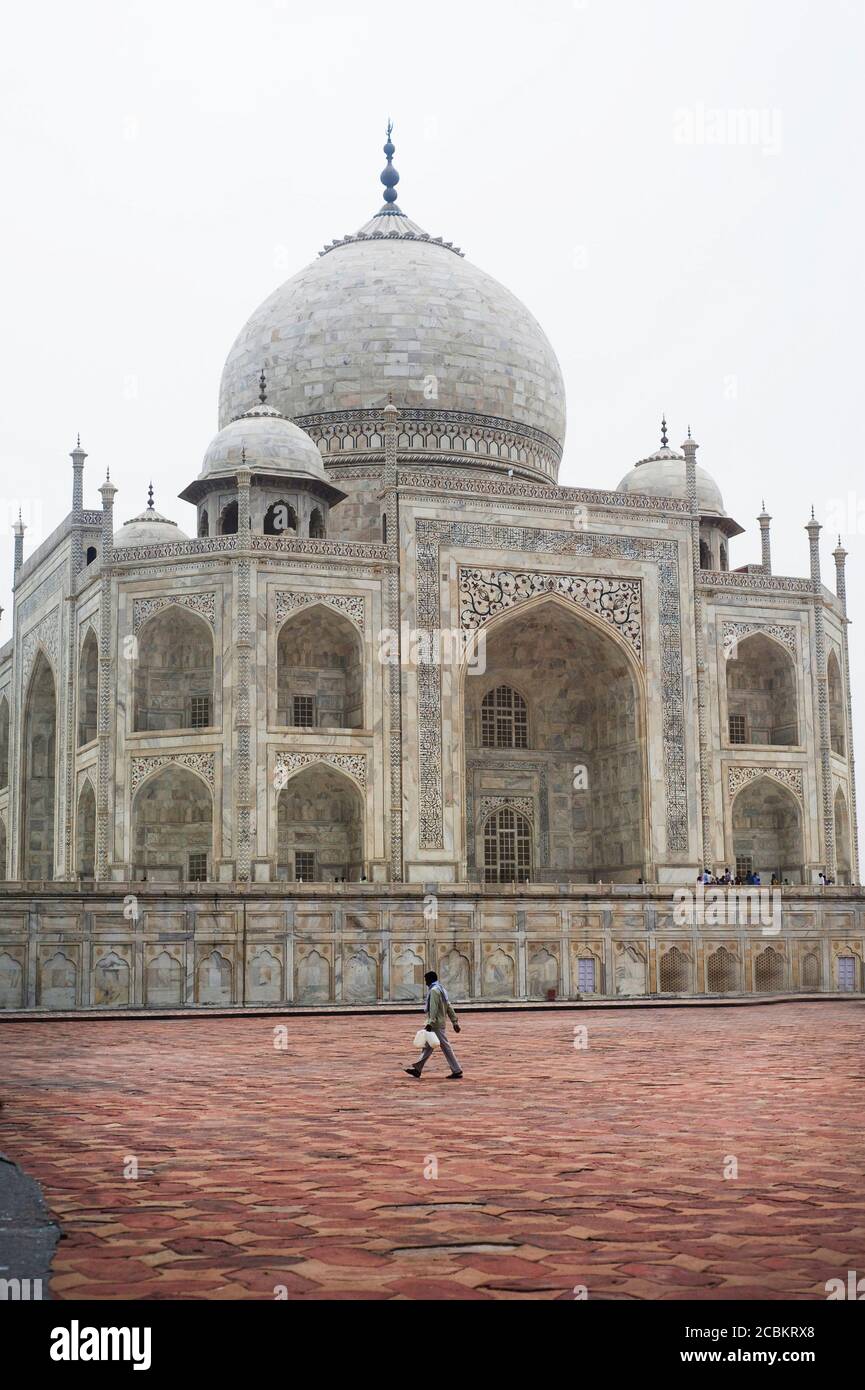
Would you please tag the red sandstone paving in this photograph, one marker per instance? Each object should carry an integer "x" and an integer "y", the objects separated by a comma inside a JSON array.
[{"x": 305, "y": 1169}]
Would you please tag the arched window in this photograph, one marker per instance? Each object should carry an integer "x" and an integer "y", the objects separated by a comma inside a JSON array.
[
  {"x": 280, "y": 520},
  {"x": 204, "y": 523},
  {"x": 228, "y": 520},
  {"x": 88, "y": 688},
  {"x": 91, "y": 555},
  {"x": 316, "y": 526},
  {"x": 705, "y": 556},
  {"x": 4, "y": 742},
  {"x": 507, "y": 847},
  {"x": 504, "y": 719}
]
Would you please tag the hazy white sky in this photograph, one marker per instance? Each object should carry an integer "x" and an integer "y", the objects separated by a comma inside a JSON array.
[{"x": 166, "y": 165}]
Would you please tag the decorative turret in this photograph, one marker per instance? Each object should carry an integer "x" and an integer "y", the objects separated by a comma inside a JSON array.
[
  {"x": 814, "y": 528},
  {"x": 840, "y": 558},
  {"x": 19, "y": 528},
  {"x": 77, "y": 456},
  {"x": 765, "y": 540}
]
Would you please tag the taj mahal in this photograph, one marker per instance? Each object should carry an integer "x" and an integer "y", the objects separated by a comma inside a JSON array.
[{"x": 397, "y": 700}]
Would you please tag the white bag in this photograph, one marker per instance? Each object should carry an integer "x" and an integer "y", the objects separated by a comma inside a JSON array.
[{"x": 424, "y": 1039}]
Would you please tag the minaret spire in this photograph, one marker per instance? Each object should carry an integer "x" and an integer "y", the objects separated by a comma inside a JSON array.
[{"x": 390, "y": 179}]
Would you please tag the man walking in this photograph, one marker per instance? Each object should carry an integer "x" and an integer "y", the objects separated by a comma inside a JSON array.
[{"x": 438, "y": 1010}]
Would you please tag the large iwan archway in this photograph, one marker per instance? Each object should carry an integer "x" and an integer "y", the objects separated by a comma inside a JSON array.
[{"x": 555, "y": 752}]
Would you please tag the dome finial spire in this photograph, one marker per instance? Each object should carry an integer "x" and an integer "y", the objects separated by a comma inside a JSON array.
[
  {"x": 664, "y": 440},
  {"x": 150, "y": 498},
  {"x": 262, "y": 388},
  {"x": 390, "y": 177}
]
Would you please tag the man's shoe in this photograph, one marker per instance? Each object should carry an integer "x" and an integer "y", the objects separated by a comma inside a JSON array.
[
  {"x": 413, "y": 1071},
  {"x": 454, "y": 1076}
]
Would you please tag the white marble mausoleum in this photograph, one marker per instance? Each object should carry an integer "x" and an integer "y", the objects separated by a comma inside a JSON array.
[{"x": 399, "y": 699}]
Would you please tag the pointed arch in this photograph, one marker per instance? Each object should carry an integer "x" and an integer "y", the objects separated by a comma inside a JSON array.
[
  {"x": 674, "y": 972},
  {"x": 280, "y": 519},
  {"x": 320, "y": 826},
  {"x": 4, "y": 741},
  {"x": 88, "y": 688},
  {"x": 504, "y": 718},
  {"x": 722, "y": 972},
  {"x": 507, "y": 839},
  {"x": 843, "y": 847},
  {"x": 583, "y": 762},
  {"x": 769, "y": 971},
  {"x": 319, "y": 670},
  {"x": 85, "y": 831},
  {"x": 316, "y": 525},
  {"x": 767, "y": 831},
  {"x": 762, "y": 692},
  {"x": 172, "y": 826},
  {"x": 173, "y": 681},
  {"x": 39, "y": 772},
  {"x": 228, "y": 520},
  {"x": 837, "y": 721}
]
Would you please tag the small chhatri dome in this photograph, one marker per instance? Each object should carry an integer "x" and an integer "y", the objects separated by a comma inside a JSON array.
[
  {"x": 150, "y": 527},
  {"x": 665, "y": 474},
  {"x": 263, "y": 442}
]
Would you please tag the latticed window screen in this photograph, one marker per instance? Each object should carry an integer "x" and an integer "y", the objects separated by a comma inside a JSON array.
[
  {"x": 197, "y": 870},
  {"x": 304, "y": 711},
  {"x": 504, "y": 719},
  {"x": 768, "y": 971},
  {"x": 200, "y": 712},
  {"x": 721, "y": 971},
  {"x": 586, "y": 975},
  {"x": 846, "y": 973},
  {"x": 675, "y": 972},
  {"x": 507, "y": 847},
  {"x": 744, "y": 865},
  {"x": 738, "y": 732},
  {"x": 304, "y": 866},
  {"x": 811, "y": 971}
]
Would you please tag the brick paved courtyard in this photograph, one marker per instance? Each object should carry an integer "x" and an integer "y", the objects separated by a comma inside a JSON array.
[{"x": 557, "y": 1167}]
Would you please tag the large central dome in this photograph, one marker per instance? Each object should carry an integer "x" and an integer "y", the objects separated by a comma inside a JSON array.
[{"x": 389, "y": 309}]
